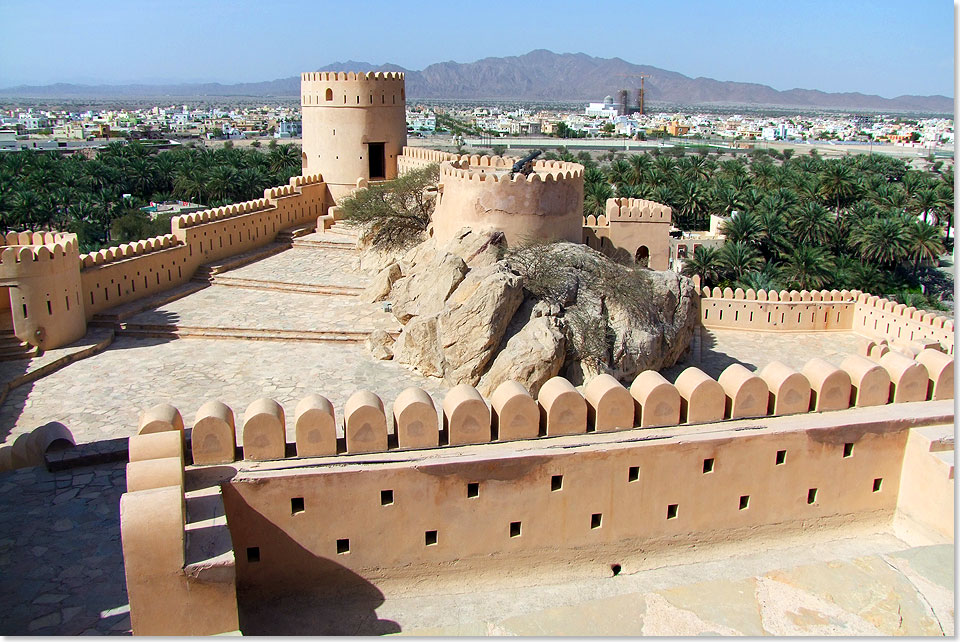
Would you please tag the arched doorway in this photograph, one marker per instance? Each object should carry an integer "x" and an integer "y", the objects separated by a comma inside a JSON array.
[
  {"x": 642, "y": 256},
  {"x": 303, "y": 162}
]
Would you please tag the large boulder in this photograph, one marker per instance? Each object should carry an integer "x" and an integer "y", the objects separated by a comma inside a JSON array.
[
  {"x": 425, "y": 287},
  {"x": 418, "y": 346},
  {"x": 474, "y": 319},
  {"x": 379, "y": 289},
  {"x": 531, "y": 357}
]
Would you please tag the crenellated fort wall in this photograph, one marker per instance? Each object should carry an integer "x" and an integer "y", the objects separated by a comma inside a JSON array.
[
  {"x": 492, "y": 486},
  {"x": 811, "y": 311}
]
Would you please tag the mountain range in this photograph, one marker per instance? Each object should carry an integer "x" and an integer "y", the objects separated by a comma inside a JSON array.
[{"x": 540, "y": 75}]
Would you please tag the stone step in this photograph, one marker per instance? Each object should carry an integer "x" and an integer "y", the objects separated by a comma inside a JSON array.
[
  {"x": 113, "y": 316},
  {"x": 939, "y": 438},
  {"x": 252, "y": 334},
  {"x": 208, "y": 553},
  {"x": 233, "y": 262},
  {"x": 325, "y": 245},
  {"x": 948, "y": 458},
  {"x": 283, "y": 286}
]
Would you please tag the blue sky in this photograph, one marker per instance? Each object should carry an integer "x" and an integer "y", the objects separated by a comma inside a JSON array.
[{"x": 885, "y": 47}]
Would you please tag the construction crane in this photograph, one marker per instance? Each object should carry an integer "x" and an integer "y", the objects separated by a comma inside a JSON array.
[{"x": 640, "y": 94}]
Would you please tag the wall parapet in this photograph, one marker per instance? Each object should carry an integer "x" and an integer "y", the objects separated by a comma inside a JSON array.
[
  {"x": 19, "y": 249},
  {"x": 636, "y": 210},
  {"x": 128, "y": 251},
  {"x": 603, "y": 405},
  {"x": 817, "y": 310},
  {"x": 476, "y": 168}
]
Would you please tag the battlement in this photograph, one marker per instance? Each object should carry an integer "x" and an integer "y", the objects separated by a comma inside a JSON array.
[
  {"x": 806, "y": 311},
  {"x": 494, "y": 169},
  {"x": 352, "y": 89},
  {"x": 128, "y": 250},
  {"x": 227, "y": 211},
  {"x": 34, "y": 251},
  {"x": 636, "y": 209},
  {"x": 603, "y": 405}
]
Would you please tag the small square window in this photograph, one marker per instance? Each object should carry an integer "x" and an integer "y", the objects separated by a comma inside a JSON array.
[
  {"x": 848, "y": 450},
  {"x": 877, "y": 483},
  {"x": 744, "y": 502},
  {"x": 296, "y": 505},
  {"x": 343, "y": 546},
  {"x": 514, "y": 529},
  {"x": 430, "y": 538},
  {"x": 596, "y": 520},
  {"x": 708, "y": 465},
  {"x": 473, "y": 489},
  {"x": 633, "y": 474},
  {"x": 781, "y": 457},
  {"x": 386, "y": 497},
  {"x": 672, "y": 511},
  {"x": 253, "y": 553},
  {"x": 811, "y": 495},
  {"x": 556, "y": 482}
]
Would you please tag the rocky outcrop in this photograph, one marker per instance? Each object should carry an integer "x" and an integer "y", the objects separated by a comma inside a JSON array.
[
  {"x": 532, "y": 356},
  {"x": 476, "y": 313},
  {"x": 380, "y": 345},
  {"x": 382, "y": 284}
]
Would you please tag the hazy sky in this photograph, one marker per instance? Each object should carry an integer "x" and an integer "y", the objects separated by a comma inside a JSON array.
[{"x": 885, "y": 47}]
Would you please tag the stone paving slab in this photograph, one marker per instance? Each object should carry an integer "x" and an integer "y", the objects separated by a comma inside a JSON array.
[
  {"x": 61, "y": 563},
  {"x": 873, "y": 584},
  {"x": 754, "y": 350},
  {"x": 101, "y": 397},
  {"x": 306, "y": 266},
  {"x": 228, "y": 307}
]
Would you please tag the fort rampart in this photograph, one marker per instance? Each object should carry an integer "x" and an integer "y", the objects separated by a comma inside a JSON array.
[
  {"x": 676, "y": 477},
  {"x": 54, "y": 290},
  {"x": 810, "y": 311}
]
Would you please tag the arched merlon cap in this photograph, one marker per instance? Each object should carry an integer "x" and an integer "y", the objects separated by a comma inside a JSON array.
[
  {"x": 214, "y": 436},
  {"x": 939, "y": 368},
  {"x": 869, "y": 382},
  {"x": 159, "y": 418},
  {"x": 515, "y": 413},
  {"x": 157, "y": 445},
  {"x": 657, "y": 400},
  {"x": 829, "y": 385},
  {"x": 908, "y": 379},
  {"x": 609, "y": 404},
  {"x": 702, "y": 399},
  {"x": 364, "y": 423},
  {"x": 264, "y": 432},
  {"x": 562, "y": 410},
  {"x": 316, "y": 427},
  {"x": 789, "y": 390},
  {"x": 466, "y": 416},
  {"x": 415, "y": 419},
  {"x": 747, "y": 394}
]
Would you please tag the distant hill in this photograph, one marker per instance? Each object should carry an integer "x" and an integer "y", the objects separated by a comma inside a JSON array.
[{"x": 539, "y": 75}]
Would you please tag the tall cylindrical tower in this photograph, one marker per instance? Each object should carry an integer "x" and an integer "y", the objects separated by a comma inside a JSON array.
[{"x": 354, "y": 126}]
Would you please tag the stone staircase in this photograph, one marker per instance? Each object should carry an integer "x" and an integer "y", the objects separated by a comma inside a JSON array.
[
  {"x": 208, "y": 553},
  {"x": 12, "y": 348},
  {"x": 336, "y": 237},
  {"x": 284, "y": 286}
]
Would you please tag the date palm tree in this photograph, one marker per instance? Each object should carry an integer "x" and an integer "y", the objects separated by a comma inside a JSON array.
[
  {"x": 838, "y": 184},
  {"x": 883, "y": 240},
  {"x": 807, "y": 267},
  {"x": 924, "y": 242},
  {"x": 742, "y": 228},
  {"x": 812, "y": 224},
  {"x": 736, "y": 259},
  {"x": 705, "y": 264}
]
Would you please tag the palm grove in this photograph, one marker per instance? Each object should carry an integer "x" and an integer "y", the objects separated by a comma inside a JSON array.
[
  {"x": 47, "y": 191},
  {"x": 867, "y": 222}
]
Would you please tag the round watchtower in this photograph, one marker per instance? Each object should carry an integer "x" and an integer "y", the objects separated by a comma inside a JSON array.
[
  {"x": 41, "y": 270},
  {"x": 354, "y": 126},
  {"x": 480, "y": 192}
]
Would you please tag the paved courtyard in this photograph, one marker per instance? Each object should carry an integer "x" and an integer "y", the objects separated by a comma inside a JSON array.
[{"x": 61, "y": 568}]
